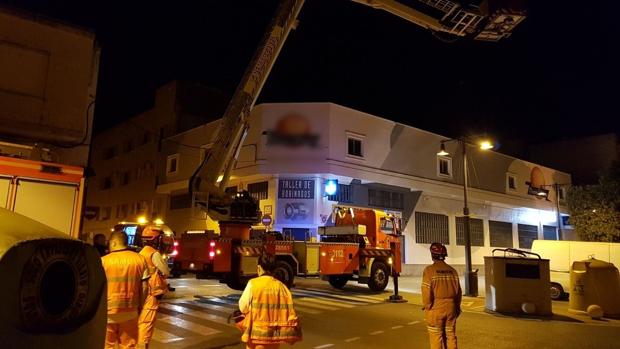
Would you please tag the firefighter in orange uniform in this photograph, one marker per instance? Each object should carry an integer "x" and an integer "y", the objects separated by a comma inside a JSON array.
[
  {"x": 267, "y": 304},
  {"x": 441, "y": 295},
  {"x": 151, "y": 237},
  {"x": 127, "y": 275}
]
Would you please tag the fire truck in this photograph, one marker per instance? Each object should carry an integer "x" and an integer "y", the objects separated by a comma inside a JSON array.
[
  {"x": 362, "y": 244},
  {"x": 357, "y": 246}
]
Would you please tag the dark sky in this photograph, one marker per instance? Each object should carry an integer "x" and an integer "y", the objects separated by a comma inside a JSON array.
[{"x": 555, "y": 78}]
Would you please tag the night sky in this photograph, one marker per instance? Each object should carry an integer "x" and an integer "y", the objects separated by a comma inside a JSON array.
[{"x": 555, "y": 78}]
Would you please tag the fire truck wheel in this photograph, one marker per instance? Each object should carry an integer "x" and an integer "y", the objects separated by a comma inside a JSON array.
[
  {"x": 338, "y": 281},
  {"x": 284, "y": 273},
  {"x": 379, "y": 276}
]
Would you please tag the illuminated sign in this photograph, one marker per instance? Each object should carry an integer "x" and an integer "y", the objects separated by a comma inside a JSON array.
[{"x": 296, "y": 189}]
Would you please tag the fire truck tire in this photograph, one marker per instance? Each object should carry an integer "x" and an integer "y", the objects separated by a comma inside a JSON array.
[
  {"x": 284, "y": 273},
  {"x": 379, "y": 276},
  {"x": 338, "y": 281}
]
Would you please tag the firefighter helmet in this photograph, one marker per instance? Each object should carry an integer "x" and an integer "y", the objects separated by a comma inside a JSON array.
[
  {"x": 151, "y": 233},
  {"x": 438, "y": 250}
]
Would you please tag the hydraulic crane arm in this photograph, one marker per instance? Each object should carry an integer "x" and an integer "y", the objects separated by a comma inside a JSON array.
[{"x": 484, "y": 20}]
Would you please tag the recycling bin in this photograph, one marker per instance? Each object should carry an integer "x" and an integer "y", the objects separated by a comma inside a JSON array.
[
  {"x": 517, "y": 282},
  {"x": 594, "y": 285}
]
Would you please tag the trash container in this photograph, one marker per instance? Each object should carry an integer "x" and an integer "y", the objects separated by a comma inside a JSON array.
[
  {"x": 517, "y": 282},
  {"x": 594, "y": 285}
]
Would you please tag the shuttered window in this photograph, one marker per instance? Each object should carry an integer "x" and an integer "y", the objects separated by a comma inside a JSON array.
[
  {"x": 500, "y": 234},
  {"x": 431, "y": 227},
  {"x": 259, "y": 190},
  {"x": 527, "y": 235},
  {"x": 549, "y": 232},
  {"x": 476, "y": 232},
  {"x": 386, "y": 199},
  {"x": 344, "y": 194}
]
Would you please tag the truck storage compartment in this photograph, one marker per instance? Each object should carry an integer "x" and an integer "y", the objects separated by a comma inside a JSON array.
[{"x": 339, "y": 258}]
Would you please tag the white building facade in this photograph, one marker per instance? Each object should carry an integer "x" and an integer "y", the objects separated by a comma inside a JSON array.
[{"x": 292, "y": 149}]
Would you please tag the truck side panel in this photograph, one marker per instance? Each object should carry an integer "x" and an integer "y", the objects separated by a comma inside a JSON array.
[{"x": 339, "y": 258}]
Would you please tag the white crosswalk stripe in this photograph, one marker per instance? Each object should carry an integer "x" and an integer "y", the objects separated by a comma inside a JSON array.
[
  {"x": 188, "y": 325},
  {"x": 195, "y": 313},
  {"x": 214, "y": 309}
]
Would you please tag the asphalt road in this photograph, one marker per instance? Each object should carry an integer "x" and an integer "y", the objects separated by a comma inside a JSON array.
[{"x": 194, "y": 317}]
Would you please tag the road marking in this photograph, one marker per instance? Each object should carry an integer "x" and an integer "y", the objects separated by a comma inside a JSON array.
[
  {"x": 352, "y": 339},
  {"x": 165, "y": 337},
  {"x": 331, "y": 303},
  {"x": 181, "y": 286},
  {"x": 195, "y": 313},
  {"x": 304, "y": 309},
  {"x": 349, "y": 299},
  {"x": 324, "y": 346},
  {"x": 210, "y": 306},
  {"x": 210, "y": 285},
  {"x": 306, "y": 302},
  {"x": 413, "y": 322},
  {"x": 467, "y": 304},
  {"x": 397, "y": 327},
  {"x": 188, "y": 325},
  {"x": 376, "y": 333},
  {"x": 378, "y": 297}
]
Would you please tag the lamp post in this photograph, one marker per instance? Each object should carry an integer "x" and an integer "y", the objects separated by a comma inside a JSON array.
[
  {"x": 544, "y": 193},
  {"x": 471, "y": 288}
]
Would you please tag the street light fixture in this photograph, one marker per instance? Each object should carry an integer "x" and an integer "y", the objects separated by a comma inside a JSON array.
[{"x": 471, "y": 288}]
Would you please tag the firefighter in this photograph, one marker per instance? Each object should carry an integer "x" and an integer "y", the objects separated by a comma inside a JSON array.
[
  {"x": 127, "y": 273},
  {"x": 441, "y": 295},
  {"x": 152, "y": 240},
  {"x": 267, "y": 305}
]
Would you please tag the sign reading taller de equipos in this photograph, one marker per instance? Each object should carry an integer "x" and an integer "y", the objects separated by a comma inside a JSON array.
[{"x": 295, "y": 201}]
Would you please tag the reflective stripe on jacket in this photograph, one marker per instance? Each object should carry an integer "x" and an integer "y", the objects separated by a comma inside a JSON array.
[
  {"x": 440, "y": 281},
  {"x": 272, "y": 318},
  {"x": 124, "y": 271}
]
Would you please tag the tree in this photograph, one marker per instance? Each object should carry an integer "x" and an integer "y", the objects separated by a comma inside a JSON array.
[{"x": 595, "y": 209}]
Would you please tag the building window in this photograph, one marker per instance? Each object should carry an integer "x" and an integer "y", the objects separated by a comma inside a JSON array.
[
  {"x": 121, "y": 211},
  {"x": 561, "y": 193},
  {"x": 125, "y": 177},
  {"x": 549, "y": 232},
  {"x": 106, "y": 212},
  {"x": 180, "y": 201},
  {"x": 127, "y": 146},
  {"x": 146, "y": 138},
  {"x": 500, "y": 234},
  {"x": 109, "y": 153},
  {"x": 444, "y": 166},
  {"x": 386, "y": 199},
  {"x": 354, "y": 145},
  {"x": 476, "y": 232},
  {"x": 511, "y": 182},
  {"x": 343, "y": 194},
  {"x": 527, "y": 235},
  {"x": 106, "y": 183},
  {"x": 172, "y": 165},
  {"x": 431, "y": 227},
  {"x": 258, "y": 190}
]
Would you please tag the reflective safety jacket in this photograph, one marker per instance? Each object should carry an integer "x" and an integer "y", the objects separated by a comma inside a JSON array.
[
  {"x": 269, "y": 314},
  {"x": 157, "y": 283},
  {"x": 125, "y": 271},
  {"x": 440, "y": 281}
]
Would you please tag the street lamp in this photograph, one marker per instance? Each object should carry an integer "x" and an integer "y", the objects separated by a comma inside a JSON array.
[{"x": 471, "y": 289}]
